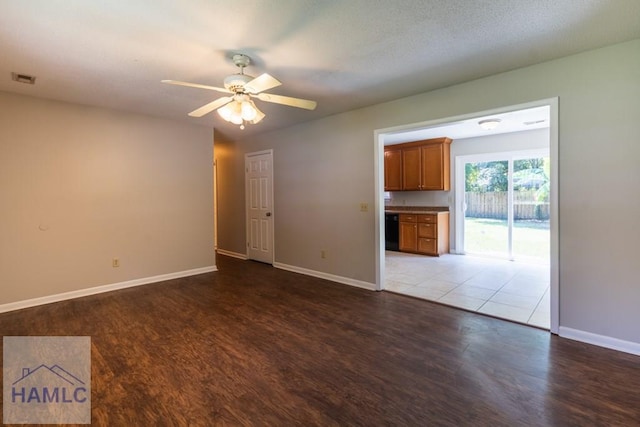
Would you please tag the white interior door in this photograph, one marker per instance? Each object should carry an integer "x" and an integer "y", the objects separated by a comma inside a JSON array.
[{"x": 259, "y": 205}]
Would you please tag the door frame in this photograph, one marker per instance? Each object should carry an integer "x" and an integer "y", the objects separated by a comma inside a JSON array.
[
  {"x": 246, "y": 203},
  {"x": 378, "y": 147},
  {"x": 215, "y": 204}
]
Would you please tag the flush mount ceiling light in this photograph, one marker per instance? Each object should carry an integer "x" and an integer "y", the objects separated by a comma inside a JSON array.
[{"x": 489, "y": 124}]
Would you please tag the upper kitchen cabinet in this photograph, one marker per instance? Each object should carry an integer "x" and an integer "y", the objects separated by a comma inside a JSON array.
[
  {"x": 424, "y": 165},
  {"x": 411, "y": 162},
  {"x": 435, "y": 165},
  {"x": 392, "y": 168}
]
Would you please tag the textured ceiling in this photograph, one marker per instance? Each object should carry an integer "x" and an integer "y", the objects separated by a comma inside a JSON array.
[{"x": 344, "y": 54}]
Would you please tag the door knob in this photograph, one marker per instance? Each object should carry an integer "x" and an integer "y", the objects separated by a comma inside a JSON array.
[{"x": 268, "y": 213}]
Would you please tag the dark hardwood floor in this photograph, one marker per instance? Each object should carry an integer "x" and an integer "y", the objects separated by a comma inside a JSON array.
[{"x": 254, "y": 345}]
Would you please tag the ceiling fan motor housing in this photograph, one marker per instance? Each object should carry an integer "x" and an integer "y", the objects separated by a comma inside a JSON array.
[{"x": 236, "y": 82}]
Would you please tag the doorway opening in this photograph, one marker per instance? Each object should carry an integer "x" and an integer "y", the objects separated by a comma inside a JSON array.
[{"x": 521, "y": 167}]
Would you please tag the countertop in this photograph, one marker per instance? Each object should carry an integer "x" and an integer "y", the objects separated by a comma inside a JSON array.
[{"x": 416, "y": 209}]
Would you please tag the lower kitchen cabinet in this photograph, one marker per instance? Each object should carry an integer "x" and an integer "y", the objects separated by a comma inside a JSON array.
[
  {"x": 426, "y": 234},
  {"x": 408, "y": 233}
]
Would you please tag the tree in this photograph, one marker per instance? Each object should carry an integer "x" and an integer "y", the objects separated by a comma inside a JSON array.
[
  {"x": 486, "y": 176},
  {"x": 542, "y": 194}
]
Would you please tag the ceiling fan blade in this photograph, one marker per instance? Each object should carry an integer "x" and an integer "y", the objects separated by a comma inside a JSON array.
[
  {"x": 260, "y": 83},
  {"x": 287, "y": 100},
  {"x": 211, "y": 106},
  {"x": 179, "y": 83}
]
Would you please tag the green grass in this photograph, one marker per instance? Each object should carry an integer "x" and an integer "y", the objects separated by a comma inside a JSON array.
[{"x": 489, "y": 237}]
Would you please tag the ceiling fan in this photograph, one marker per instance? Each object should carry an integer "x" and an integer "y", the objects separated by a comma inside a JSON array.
[{"x": 238, "y": 107}]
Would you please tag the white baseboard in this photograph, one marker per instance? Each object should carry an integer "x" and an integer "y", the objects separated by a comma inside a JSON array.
[
  {"x": 232, "y": 254},
  {"x": 600, "y": 340},
  {"x": 18, "y": 305},
  {"x": 327, "y": 276}
]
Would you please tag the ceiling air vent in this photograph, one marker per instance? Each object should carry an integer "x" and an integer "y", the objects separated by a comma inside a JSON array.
[{"x": 23, "y": 78}]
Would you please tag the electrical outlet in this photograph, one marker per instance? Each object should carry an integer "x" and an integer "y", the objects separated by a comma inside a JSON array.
[
  {"x": 364, "y": 207},
  {"x": 323, "y": 254},
  {"x": 115, "y": 262}
]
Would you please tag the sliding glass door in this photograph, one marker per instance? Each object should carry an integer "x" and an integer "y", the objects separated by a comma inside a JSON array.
[{"x": 506, "y": 205}]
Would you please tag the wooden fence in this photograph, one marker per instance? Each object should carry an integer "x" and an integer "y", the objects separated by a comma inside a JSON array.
[{"x": 494, "y": 205}]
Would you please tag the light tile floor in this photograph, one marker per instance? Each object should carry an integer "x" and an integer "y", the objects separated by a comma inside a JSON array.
[{"x": 505, "y": 289}]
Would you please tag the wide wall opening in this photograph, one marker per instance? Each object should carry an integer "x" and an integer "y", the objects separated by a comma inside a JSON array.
[{"x": 502, "y": 205}]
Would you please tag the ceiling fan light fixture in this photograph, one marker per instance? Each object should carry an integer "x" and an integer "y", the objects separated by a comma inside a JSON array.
[
  {"x": 489, "y": 124},
  {"x": 236, "y": 113},
  {"x": 225, "y": 112},
  {"x": 239, "y": 111},
  {"x": 248, "y": 110},
  {"x": 236, "y": 119},
  {"x": 259, "y": 116}
]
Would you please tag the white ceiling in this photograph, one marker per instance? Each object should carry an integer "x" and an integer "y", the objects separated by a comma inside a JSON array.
[
  {"x": 512, "y": 121},
  {"x": 345, "y": 54}
]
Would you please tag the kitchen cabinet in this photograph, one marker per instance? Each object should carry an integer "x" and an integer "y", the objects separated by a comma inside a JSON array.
[
  {"x": 426, "y": 234},
  {"x": 408, "y": 233},
  {"x": 435, "y": 161},
  {"x": 433, "y": 233},
  {"x": 411, "y": 172},
  {"x": 392, "y": 169},
  {"x": 424, "y": 165}
]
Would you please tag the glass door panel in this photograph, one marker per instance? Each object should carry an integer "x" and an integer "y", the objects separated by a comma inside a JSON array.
[
  {"x": 486, "y": 230},
  {"x": 531, "y": 235}
]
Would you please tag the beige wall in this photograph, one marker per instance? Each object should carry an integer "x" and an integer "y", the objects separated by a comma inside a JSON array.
[
  {"x": 80, "y": 186},
  {"x": 324, "y": 169},
  {"x": 230, "y": 200}
]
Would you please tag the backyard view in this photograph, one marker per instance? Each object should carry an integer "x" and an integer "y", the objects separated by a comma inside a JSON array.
[
  {"x": 487, "y": 209},
  {"x": 489, "y": 236}
]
